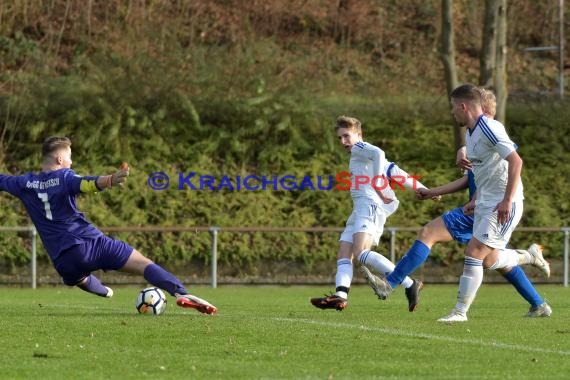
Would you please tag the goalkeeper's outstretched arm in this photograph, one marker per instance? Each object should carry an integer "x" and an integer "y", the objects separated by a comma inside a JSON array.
[{"x": 102, "y": 182}]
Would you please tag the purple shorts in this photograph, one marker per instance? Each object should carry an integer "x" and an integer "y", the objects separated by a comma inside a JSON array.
[{"x": 77, "y": 262}]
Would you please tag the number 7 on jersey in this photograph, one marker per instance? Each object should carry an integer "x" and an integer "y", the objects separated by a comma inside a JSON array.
[{"x": 44, "y": 198}]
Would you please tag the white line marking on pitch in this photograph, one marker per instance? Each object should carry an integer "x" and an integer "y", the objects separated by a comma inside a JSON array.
[{"x": 396, "y": 332}]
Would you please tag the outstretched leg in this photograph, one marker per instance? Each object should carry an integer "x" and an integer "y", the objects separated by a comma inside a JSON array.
[
  {"x": 433, "y": 232},
  {"x": 159, "y": 277},
  {"x": 507, "y": 263}
]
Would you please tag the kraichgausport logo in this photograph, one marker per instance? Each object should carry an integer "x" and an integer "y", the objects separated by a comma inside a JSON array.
[{"x": 341, "y": 181}]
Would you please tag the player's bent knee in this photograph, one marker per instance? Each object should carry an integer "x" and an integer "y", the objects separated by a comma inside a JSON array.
[
  {"x": 428, "y": 235},
  {"x": 424, "y": 233}
]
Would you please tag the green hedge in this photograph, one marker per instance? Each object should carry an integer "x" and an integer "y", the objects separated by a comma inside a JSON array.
[{"x": 166, "y": 99}]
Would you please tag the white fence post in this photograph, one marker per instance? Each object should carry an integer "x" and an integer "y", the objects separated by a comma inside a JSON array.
[
  {"x": 214, "y": 231},
  {"x": 566, "y": 231},
  {"x": 34, "y": 233}
]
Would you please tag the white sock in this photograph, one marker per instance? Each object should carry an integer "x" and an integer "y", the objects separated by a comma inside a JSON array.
[
  {"x": 376, "y": 261},
  {"x": 469, "y": 283},
  {"x": 524, "y": 257},
  {"x": 344, "y": 273},
  {"x": 381, "y": 264},
  {"x": 407, "y": 282},
  {"x": 507, "y": 258}
]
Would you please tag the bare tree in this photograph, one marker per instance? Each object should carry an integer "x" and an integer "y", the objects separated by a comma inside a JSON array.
[
  {"x": 489, "y": 46},
  {"x": 500, "y": 72},
  {"x": 448, "y": 59}
]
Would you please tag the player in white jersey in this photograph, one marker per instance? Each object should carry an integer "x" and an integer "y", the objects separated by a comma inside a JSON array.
[
  {"x": 455, "y": 225},
  {"x": 498, "y": 204},
  {"x": 372, "y": 178}
]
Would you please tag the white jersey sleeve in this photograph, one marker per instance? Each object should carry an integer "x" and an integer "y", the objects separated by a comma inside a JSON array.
[{"x": 399, "y": 176}]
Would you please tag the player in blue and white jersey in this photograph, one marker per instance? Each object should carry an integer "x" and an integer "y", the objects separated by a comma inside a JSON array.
[
  {"x": 499, "y": 201},
  {"x": 75, "y": 246},
  {"x": 458, "y": 226},
  {"x": 373, "y": 202}
]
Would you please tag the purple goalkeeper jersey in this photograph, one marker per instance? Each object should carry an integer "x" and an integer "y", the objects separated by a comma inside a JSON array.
[{"x": 49, "y": 198}]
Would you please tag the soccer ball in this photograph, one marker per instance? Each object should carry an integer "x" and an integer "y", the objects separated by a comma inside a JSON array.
[{"x": 151, "y": 301}]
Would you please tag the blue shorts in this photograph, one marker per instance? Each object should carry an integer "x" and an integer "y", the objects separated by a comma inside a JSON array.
[
  {"x": 77, "y": 262},
  {"x": 460, "y": 226}
]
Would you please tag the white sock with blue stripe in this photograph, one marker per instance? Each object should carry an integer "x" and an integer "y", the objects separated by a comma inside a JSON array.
[
  {"x": 381, "y": 265},
  {"x": 469, "y": 283}
]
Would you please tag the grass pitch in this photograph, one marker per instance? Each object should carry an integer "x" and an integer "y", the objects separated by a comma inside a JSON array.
[{"x": 274, "y": 333}]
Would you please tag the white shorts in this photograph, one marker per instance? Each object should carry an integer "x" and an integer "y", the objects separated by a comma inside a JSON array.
[
  {"x": 367, "y": 218},
  {"x": 489, "y": 232}
]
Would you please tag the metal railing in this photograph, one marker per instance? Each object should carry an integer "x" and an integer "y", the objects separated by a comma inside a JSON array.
[{"x": 215, "y": 232}]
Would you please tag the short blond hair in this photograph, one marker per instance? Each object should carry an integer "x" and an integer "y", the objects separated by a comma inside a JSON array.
[
  {"x": 488, "y": 102},
  {"x": 348, "y": 123}
]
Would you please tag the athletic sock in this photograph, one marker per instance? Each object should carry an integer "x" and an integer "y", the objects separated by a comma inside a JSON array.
[
  {"x": 415, "y": 257},
  {"x": 344, "y": 273},
  {"x": 524, "y": 257},
  {"x": 522, "y": 284},
  {"x": 469, "y": 283},
  {"x": 507, "y": 258},
  {"x": 381, "y": 264},
  {"x": 407, "y": 282},
  {"x": 93, "y": 285},
  {"x": 160, "y": 278},
  {"x": 376, "y": 261}
]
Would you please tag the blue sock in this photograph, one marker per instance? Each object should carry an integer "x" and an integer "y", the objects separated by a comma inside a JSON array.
[
  {"x": 160, "y": 278},
  {"x": 409, "y": 263},
  {"x": 520, "y": 281},
  {"x": 93, "y": 285}
]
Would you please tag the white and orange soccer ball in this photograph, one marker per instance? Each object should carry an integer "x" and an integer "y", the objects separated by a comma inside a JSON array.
[{"x": 151, "y": 301}]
